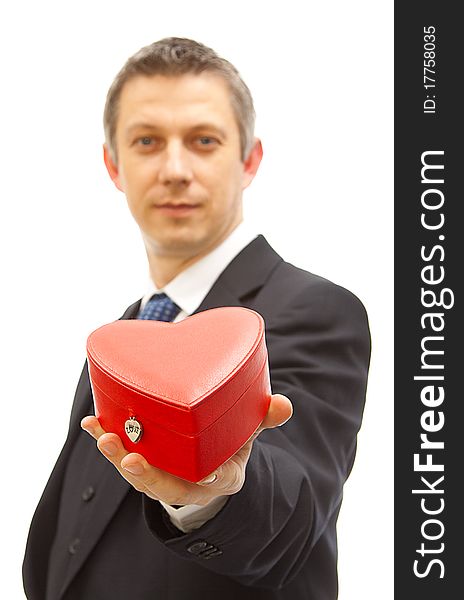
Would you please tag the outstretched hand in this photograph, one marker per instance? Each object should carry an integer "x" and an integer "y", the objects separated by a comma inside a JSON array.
[{"x": 159, "y": 485}]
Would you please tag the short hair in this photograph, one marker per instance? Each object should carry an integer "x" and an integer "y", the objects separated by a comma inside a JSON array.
[{"x": 175, "y": 56}]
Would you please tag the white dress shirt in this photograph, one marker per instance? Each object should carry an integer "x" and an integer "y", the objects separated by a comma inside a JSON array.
[{"x": 187, "y": 290}]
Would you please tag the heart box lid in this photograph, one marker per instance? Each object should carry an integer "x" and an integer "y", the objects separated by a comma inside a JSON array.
[{"x": 184, "y": 375}]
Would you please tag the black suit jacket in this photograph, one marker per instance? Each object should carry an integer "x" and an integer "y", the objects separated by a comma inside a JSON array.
[{"x": 95, "y": 538}]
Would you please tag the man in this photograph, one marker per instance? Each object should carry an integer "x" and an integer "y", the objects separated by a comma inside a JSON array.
[{"x": 180, "y": 145}]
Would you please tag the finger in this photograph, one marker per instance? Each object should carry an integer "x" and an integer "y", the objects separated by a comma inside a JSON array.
[
  {"x": 112, "y": 448},
  {"x": 230, "y": 476},
  {"x": 279, "y": 412},
  {"x": 136, "y": 470},
  {"x": 210, "y": 479},
  {"x": 159, "y": 484},
  {"x": 92, "y": 426},
  {"x": 143, "y": 476},
  {"x": 222, "y": 481},
  {"x": 110, "y": 445}
]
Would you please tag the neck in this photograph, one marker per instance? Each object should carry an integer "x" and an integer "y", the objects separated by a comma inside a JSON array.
[{"x": 164, "y": 267}]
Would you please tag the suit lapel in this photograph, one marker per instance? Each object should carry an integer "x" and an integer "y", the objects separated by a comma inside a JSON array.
[{"x": 246, "y": 274}]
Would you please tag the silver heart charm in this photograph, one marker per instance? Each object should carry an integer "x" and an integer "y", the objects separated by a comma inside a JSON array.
[{"x": 133, "y": 429}]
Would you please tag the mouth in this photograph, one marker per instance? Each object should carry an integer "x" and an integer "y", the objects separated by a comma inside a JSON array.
[{"x": 177, "y": 209}]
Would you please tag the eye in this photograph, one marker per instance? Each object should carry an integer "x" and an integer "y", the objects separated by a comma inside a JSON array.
[
  {"x": 206, "y": 142},
  {"x": 145, "y": 141}
]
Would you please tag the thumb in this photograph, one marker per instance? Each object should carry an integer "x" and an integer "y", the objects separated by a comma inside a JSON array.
[{"x": 279, "y": 412}]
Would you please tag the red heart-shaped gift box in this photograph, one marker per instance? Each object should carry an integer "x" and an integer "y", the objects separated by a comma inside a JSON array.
[{"x": 193, "y": 392}]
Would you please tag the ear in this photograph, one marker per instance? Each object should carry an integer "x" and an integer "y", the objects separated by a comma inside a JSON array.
[
  {"x": 111, "y": 168},
  {"x": 252, "y": 162}
]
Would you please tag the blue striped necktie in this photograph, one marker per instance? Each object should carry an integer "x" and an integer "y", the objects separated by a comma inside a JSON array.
[{"x": 160, "y": 307}]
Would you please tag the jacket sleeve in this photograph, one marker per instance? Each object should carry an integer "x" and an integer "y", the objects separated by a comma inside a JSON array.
[{"x": 319, "y": 351}]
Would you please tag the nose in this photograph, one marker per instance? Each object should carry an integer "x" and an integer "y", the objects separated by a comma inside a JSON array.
[{"x": 175, "y": 166}]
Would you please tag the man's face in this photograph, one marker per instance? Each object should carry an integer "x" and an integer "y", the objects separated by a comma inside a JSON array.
[{"x": 179, "y": 163}]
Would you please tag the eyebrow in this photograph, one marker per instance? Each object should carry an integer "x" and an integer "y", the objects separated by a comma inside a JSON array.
[{"x": 198, "y": 127}]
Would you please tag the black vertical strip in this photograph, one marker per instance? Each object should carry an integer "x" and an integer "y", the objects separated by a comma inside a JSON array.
[{"x": 429, "y": 529}]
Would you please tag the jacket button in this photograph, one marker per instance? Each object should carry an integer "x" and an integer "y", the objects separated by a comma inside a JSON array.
[
  {"x": 72, "y": 548},
  {"x": 212, "y": 553},
  {"x": 204, "y": 549},
  {"x": 197, "y": 547},
  {"x": 88, "y": 493}
]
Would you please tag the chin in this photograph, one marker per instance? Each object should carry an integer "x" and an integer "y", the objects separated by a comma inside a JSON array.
[{"x": 176, "y": 245}]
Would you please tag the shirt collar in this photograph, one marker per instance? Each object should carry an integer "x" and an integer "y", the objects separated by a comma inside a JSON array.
[{"x": 189, "y": 287}]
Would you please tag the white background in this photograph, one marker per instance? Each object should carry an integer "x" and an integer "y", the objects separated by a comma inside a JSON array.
[{"x": 321, "y": 76}]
